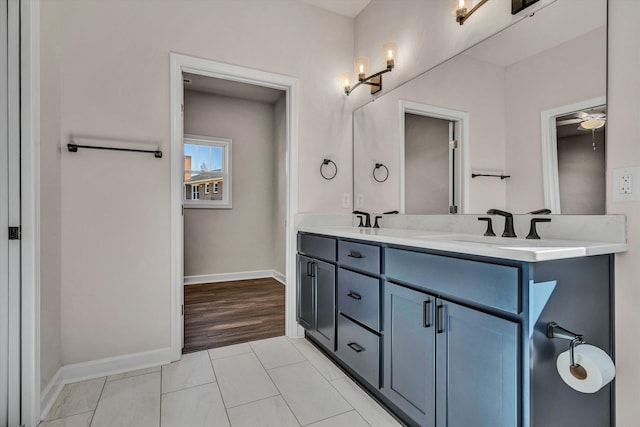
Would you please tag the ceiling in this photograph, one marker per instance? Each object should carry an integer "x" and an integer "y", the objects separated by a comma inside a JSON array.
[
  {"x": 348, "y": 8},
  {"x": 231, "y": 89},
  {"x": 567, "y": 21}
]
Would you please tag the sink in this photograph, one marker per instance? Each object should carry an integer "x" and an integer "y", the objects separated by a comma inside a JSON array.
[{"x": 498, "y": 242}]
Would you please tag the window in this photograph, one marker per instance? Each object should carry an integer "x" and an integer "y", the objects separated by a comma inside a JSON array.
[{"x": 207, "y": 160}]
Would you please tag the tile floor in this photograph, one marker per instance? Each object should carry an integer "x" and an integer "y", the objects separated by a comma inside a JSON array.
[{"x": 277, "y": 382}]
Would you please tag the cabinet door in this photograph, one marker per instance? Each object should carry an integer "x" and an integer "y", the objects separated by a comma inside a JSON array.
[
  {"x": 306, "y": 299},
  {"x": 409, "y": 352},
  {"x": 325, "y": 326},
  {"x": 477, "y": 375}
]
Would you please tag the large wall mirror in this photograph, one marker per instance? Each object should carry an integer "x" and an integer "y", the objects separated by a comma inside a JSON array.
[{"x": 516, "y": 122}]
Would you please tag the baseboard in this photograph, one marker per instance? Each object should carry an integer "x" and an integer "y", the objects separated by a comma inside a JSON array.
[
  {"x": 280, "y": 277},
  {"x": 242, "y": 275},
  {"x": 50, "y": 393},
  {"x": 100, "y": 368}
]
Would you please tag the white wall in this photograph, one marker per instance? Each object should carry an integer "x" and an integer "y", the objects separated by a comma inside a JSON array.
[
  {"x": 557, "y": 77},
  {"x": 50, "y": 196},
  {"x": 623, "y": 149},
  {"x": 239, "y": 239},
  {"x": 114, "y": 68}
]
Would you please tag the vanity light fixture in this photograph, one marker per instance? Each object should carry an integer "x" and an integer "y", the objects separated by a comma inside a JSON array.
[
  {"x": 361, "y": 66},
  {"x": 462, "y": 11}
]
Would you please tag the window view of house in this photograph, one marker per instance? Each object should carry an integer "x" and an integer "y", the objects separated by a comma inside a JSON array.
[{"x": 206, "y": 171}]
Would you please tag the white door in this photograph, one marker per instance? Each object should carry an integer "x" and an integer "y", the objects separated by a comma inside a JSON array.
[{"x": 9, "y": 214}]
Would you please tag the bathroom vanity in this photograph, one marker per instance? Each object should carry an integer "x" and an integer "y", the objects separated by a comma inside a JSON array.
[{"x": 451, "y": 329}]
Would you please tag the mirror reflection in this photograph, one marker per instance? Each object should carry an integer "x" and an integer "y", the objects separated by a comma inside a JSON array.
[{"x": 509, "y": 111}]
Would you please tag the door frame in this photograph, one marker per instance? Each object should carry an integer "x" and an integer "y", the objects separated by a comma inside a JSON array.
[
  {"x": 30, "y": 210},
  {"x": 550, "y": 148},
  {"x": 461, "y": 119},
  {"x": 180, "y": 63}
]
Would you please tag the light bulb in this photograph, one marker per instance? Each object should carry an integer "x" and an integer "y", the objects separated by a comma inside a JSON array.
[
  {"x": 389, "y": 52},
  {"x": 361, "y": 67}
]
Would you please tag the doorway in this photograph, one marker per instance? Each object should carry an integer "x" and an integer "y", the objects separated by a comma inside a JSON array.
[
  {"x": 574, "y": 157},
  {"x": 433, "y": 159},
  {"x": 235, "y": 207},
  {"x": 181, "y": 64}
]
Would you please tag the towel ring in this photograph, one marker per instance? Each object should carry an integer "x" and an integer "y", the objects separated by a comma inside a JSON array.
[
  {"x": 378, "y": 166},
  {"x": 325, "y": 162}
]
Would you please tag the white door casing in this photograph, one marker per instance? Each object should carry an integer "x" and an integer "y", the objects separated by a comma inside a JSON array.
[{"x": 460, "y": 178}]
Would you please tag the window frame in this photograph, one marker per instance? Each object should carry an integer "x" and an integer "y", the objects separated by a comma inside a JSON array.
[{"x": 226, "y": 175}]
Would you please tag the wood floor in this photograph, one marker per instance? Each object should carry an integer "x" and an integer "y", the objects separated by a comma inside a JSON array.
[{"x": 225, "y": 313}]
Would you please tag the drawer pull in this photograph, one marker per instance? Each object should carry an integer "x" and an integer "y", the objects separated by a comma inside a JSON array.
[
  {"x": 426, "y": 314},
  {"x": 440, "y": 319},
  {"x": 355, "y": 347},
  {"x": 354, "y": 295},
  {"x": 354, "y": 254}
]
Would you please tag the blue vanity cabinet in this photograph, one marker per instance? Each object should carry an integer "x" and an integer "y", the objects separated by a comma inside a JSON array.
[
  {"x": 449, "y": 365},
  {"x": 410, "y": 352},
  {"x": 477, "y": 368},
  {"x": 306, "y": 293},
  {"x": 316, "y": 288}
]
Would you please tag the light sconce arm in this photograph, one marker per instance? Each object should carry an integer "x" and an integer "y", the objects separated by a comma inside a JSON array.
[{"x": 461, "y": 12}]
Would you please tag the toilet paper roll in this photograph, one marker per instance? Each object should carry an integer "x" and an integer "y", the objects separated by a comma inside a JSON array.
[{"x": 599, "y": 366}]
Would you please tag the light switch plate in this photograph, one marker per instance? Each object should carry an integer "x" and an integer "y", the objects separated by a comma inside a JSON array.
[{"x": 626, "y": 184}]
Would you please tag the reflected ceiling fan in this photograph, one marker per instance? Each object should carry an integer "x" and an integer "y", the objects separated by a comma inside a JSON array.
[
  {"x": 587, "y": 120},
  {"x": 592, "y": 119}
]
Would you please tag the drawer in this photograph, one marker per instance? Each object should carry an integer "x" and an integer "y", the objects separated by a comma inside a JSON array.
[
  {"x": 359, "y": 349},
  {"x": 317, "y": 246},
  {"x": 359, "y": 298},
  {"x": 493, "y": 285},
  {"x": 360, "y": 256}
]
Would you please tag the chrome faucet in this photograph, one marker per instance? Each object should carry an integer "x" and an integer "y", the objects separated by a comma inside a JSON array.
[{"x": 508, "y": 222}]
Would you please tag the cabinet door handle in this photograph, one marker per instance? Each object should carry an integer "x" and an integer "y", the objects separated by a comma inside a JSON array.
[
  {"x": 355, "y": 347},
  {"x": 354, "y": 295},
  {"x": 426, "y": 313},
  {"x": 310, "y": 268},
  {"x": 440, "y": 319},
  {"x": 354, "y": 254}
]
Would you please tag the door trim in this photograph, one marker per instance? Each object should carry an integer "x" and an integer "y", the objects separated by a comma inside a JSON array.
[
  {"x": 550, "y": 149},
  {"x": 30, "y": 209},
  {"x": 180, "y": 63},
  {"x": 461, "y": 118}
]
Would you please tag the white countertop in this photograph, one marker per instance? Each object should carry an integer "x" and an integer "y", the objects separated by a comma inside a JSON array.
[{"x": 518, "y": 249}]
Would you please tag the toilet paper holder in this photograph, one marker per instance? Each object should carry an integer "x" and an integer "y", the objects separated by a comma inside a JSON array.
[{"x": 556, "y": 331}]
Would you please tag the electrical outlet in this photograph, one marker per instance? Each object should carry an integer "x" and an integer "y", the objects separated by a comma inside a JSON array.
[
  {"x": 346, "y": 201},
  {"x": 626, "y": 184},
  {"x": 359, "y": 201},
  {"x": 625, "y": 181}
]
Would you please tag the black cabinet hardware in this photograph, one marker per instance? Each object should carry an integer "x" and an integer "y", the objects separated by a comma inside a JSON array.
[
  {"x": 426, "y": 313},
  {"x": 355, "y": 347},
  {"x": 354, "y": 254},
  {"x": 440, "y": 319},
  {"x": 354, "y": 295}
]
